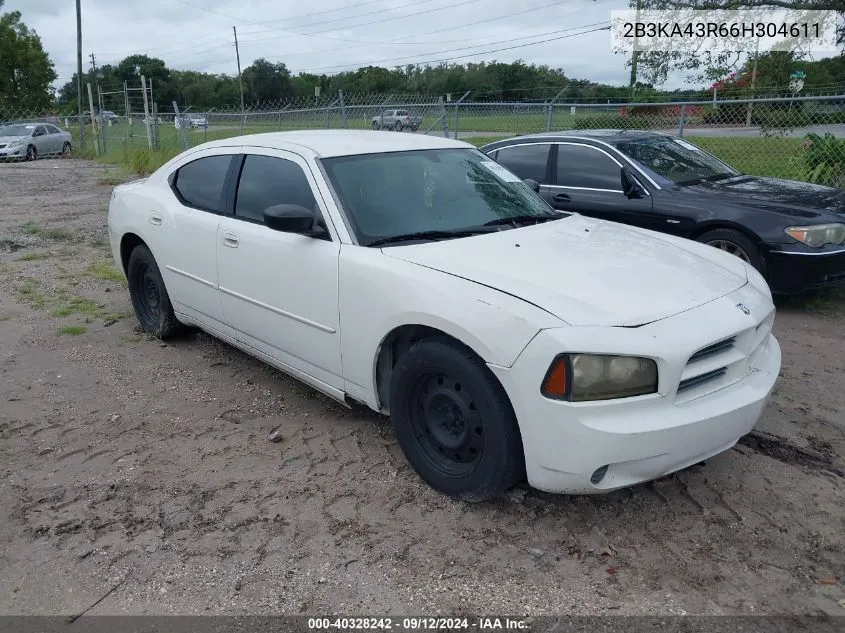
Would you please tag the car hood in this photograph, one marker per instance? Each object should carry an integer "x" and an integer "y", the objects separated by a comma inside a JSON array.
[
  {"x": 801, "y": 199},
  {"x": 586, "y": 271},
  {"x": 11, "y": 139}
]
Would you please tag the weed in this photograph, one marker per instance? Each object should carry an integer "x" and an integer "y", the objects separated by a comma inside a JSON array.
[
  {"x": 58, "y": 234},
  {"x": 31, "y": 257},
  {"x": 105, "y": 271},
  {"x": 28, "y": 292},
  {"x": 31, "y": 227},
  {"x": 71, "y": 330},
  {"x": 4, "y": 317}
]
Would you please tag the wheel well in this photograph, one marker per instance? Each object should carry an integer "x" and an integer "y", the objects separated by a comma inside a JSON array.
[
  {"x": 127, "y": 244},
  {"x": 701, "y": 230}
]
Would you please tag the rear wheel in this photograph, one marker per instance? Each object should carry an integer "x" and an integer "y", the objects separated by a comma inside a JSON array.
[
  {"x": 397, "y": 126},
  {"x": 454, "y": 422},
  {"x": 375, "y": 125},
  {"x": 149, "y": 296},
  {"x": 736, "y": 244}
]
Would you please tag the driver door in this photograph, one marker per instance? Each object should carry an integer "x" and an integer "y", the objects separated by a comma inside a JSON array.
[
  {"x": 41, "y": 140},
  {"x": 279, "y": 291}
]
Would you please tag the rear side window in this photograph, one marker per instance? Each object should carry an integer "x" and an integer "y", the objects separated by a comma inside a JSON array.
[
  {"x": 526, "y": 161},
  {"x": 200, "y": 183},
  {"x": 267, "y": 181}
]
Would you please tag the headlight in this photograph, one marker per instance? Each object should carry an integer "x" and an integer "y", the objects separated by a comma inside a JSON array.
[
  {"x": 17, "y": 143},
  {"x": 583, "y": 377},
  {"x": 818, "y": 235}
]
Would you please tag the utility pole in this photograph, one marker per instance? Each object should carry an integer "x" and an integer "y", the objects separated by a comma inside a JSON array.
[
  {"x": 635, "y": 56},
  {"x": 240, "y": 79},
  {"x": 93, "y": 63},
  {"x": 753, "y": 82},
  {"x": 79, "y": 72}
]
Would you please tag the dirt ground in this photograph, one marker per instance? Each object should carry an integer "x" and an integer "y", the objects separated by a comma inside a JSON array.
[{"x": 128, "y": 462}]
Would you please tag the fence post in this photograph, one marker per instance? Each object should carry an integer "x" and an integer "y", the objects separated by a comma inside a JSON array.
[
  {"x": 682, "y": 121},
  {"x": 550, "y": 107},
  {"x": 93, "y": 122},
  {"x": 147, "y": 120},
  {"x": 443, "y": 117},
  {"x": 102, "y": 131},
  {"x": 342, "y": 109},
  {"x": 156, "y": 145},
  {"x": 128, "y": 110},
  {"x": 182, "y": 126},
  {"x": 457, "y": 108}
]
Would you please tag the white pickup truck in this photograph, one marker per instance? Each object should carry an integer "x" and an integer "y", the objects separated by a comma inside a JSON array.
[{"x": 396, "y": 120}]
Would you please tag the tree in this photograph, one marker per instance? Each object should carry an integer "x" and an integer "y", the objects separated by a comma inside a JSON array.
[
  {"x": 265, "y": 81},
  {"x": 26, "y": 71}
]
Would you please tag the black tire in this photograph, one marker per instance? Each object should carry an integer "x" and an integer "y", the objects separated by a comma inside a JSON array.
[
  {"x": 454, "y": 422},
  {"x": 375, "y": 125},
  {"x": 397, "y": 126},
  {"x": 735, "y": 243},
  {"x": 31, "y": 153},
  {"x": 149, "y": 296},
  {"x": 66, "y": 148}
]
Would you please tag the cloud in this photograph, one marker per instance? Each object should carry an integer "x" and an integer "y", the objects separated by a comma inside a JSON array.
[{"x": 332, "y": 35}]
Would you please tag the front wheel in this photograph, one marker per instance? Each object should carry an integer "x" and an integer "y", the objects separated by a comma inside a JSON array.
[
  {"x": 736, "y": 244},
  {"x": 31, "y": 153},
  {"x": 397, "y": 126},
  {"x": 454, "y": 422},
  {"x": 149, "y": 296},
  {"x": 66, "y": 149},
  {"x": 375, "y": 125}
]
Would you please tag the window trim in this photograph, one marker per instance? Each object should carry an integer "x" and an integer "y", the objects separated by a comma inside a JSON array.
[
  {"x": 598, "y": 149},
  {"x": 173, "y": 180},
  {"x": 549, "y": 171}
]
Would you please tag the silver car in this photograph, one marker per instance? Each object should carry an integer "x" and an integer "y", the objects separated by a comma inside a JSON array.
[{"x": 28, "y": 141}]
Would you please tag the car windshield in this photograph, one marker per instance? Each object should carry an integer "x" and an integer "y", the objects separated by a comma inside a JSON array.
[
  {"x": 676, "y": 159},
  {"x": 16, "y": 130},
  {"x": 439, "y": 190}
]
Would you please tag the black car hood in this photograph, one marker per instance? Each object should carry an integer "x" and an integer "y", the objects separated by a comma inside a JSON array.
[{"x": 789, "y": 197}]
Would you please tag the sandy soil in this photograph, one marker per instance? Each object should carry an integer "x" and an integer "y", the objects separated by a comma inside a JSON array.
[{"x": 126, "y": 461}]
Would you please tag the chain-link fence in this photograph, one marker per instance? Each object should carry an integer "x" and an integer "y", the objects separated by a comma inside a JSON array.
[{"x": 801, "y": 138}]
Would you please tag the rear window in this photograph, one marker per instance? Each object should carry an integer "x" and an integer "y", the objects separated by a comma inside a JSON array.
[{"x": 200, "y": 183}]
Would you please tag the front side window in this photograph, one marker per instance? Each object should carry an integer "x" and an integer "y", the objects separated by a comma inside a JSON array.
[
  {"x": 587, "y": 168},
  {"x": 676, "y": 160},
  {"x": 526, "y": 161},
  {"x": 266, "y": 182},
  {"x": 400, "y": 193},
  {"x": 200, "y": 183}
]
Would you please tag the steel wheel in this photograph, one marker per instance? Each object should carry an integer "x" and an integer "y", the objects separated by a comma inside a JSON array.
[
  {"x": 147, "y": 291},
  {"x": 731, "y": 248},
  {"x": 446, "y": 423}
]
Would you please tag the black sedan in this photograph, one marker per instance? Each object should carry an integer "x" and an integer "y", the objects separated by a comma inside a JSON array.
[{"x": 792, "y": 232}]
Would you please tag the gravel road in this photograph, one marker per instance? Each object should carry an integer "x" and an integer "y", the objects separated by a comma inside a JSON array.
[{"x": 128, "y": 462}]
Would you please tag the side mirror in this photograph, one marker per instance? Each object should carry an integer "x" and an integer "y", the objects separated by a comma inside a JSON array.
[
  {"x": 293, "y": 218},
  {"x": 533, "y": 184},
  {"x": 630, "y": 187}
]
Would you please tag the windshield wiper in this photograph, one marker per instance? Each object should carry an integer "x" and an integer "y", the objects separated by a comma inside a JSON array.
[
  {"x": 524, "y": 219},
  {"x": 428, "y": 235}
]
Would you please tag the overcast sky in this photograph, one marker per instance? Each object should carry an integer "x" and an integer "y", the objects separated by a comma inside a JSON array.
[{"x": 332, "y": 35}]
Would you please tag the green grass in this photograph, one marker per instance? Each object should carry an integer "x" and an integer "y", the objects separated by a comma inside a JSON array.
[
  {"x": 71, "y": 330},
  {"x": 4, "y": 317},
  {"x": 105, "y": 271},
  {"x": 29, "y": 293},
  {"x": 57, "y": 234},
  {"x": 828, "y": 302},
  {"x": 34, "y": 256},
  {"x": 30, "y": 227}
]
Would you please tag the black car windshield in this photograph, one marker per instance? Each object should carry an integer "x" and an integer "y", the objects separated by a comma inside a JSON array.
[
  {"x": 438, "y": 190},
  {"x": 16, "y": 130},
  {"x": 676, "y": 159}
]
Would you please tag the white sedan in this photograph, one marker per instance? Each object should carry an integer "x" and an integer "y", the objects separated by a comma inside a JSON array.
[{"x": 506, "y": 340}]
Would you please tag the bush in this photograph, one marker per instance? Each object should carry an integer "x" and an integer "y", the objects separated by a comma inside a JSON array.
[{"x": 824, "y": 159}]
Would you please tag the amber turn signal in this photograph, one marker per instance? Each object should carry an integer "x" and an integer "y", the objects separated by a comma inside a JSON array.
[{"x": 556, "y": 383}]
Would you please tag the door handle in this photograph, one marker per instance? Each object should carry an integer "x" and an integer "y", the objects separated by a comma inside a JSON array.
[
  {"x": 230, "y": 240},
  {"x": 155, "y": 218},
  {"x": 561, "y": 197}
]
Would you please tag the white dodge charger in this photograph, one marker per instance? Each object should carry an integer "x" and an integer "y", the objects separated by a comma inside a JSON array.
[{"x": 506, "y": 340}]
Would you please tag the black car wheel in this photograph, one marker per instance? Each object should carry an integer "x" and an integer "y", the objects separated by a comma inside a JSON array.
[
  {"x": 31, "y": 153},
  {"x": 735, "y": 243},
  {"x": 66, "y": 149},
  {"x": 397, "y": 126},
  {"x": 454, "y": 421},
  {"x": 149, "y": 296},
  {"x": 375, "y": 125}
]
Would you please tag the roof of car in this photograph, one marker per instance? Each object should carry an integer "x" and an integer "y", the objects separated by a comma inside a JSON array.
[
  {"x": 328, "y": 143},
  {"x": 605, "y": 136}
]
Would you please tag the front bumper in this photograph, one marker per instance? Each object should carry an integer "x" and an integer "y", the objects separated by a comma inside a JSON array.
[
  {"x": 794, "y": 271},
  {"x": 646, "y": 437},
  {"x": 13, "y": 152}
]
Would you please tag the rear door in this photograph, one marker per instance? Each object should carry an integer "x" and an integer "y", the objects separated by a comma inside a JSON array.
[
  {"x": 529, "y": 160},
  {"x": 588, "y": 180}
]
